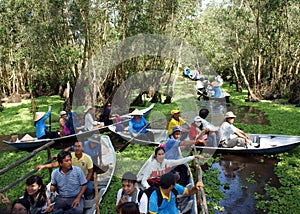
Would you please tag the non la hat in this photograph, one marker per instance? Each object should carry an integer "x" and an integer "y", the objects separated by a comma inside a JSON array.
[
  {"x": 129, "y": 176},
  {"x": 38, "y": 116},
  {"x": 229, "y": 115},
  {"x": 136, "y": 112},
  {"x": 95, "y": 138}
]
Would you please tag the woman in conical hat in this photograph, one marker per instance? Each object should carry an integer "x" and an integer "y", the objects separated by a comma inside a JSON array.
[
  {"x": 40, "y": 127},
  {"x": 138, "y": 126}
]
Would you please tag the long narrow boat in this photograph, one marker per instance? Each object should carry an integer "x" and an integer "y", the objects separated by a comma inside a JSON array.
[
  {"x": 103, "y": 180},
  {"x": 64, "y": 141},
  {"x": 160, "y": 136},
  {"x": 268, "y": 144},
  {"x": 186, "y": 204}
]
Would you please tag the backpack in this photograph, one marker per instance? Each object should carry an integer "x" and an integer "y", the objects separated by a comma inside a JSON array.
[{"x": 150, "y": 190}]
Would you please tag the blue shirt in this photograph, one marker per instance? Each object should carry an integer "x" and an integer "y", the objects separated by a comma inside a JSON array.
[
  {"x": 171, "y": 149},
  {"x": 168, "y": 205},
  {"x": 94, "y": 153},
  {"x": 70, "y": 184},
  {"x": 40, "y": 125},
  {"x": 135, "y": 127}
]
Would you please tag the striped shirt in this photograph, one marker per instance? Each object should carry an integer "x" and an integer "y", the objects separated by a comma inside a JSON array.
[{"x": 70, "y": 184}]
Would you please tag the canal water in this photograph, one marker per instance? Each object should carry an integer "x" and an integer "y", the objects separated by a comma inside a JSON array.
[{"x": 241, "y": 176}]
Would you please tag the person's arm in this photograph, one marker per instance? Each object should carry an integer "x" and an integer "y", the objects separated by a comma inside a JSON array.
[
  {"x": 187, "y": 143},
  {"x": 90, "y": 174},
  {"x": 120, "y": 200},
  {"x": 153, "y": 205},
  {"x": 76, "y": 202},
  {"x": 193, "y": 190},
  {"x": 48, "y": 166},
  {"x": 147, "y": 174}
]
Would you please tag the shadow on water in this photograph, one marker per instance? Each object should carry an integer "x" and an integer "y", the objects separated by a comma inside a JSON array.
[{"x": 241, "y": 177}]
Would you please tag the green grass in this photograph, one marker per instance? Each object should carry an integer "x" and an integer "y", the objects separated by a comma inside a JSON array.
[{"x": 284, "y": 119}]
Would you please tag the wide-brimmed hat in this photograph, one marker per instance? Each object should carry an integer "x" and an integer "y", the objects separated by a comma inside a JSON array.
[
  {"x": 38, "y": 116},
  {"x": 87, "y": 109},
  {"x": 229, "y": 115},
  {"x": 136, "y": 112},
  {"x": 197, "y": 119},
  {"x": 62, "y": 113},
  {"x": 95, "y": 138},
  {"x": 175, "y": 111},
  {"x": 129, "y": 176},
  {"x": 176, "y": 129}
]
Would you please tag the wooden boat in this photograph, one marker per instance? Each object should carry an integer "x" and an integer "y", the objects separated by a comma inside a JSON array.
[
  {"x": 186, "y": 204},
  {"x": 103, "y": 180},
  {"x": 65, "y": 141},
  {"x": 60, "y": 142},
  {"x": 267, "y": 144},
  {"x": 160, "y": 136},
  {"x": 202, "y": 91}
]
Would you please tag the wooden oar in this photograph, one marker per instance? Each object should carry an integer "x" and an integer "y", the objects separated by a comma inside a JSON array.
[
  {"x": 131, "y": 139},
  {"x": 201, "y": 192},
  {"x": 22, "y": 178},
  {"x": 96, "y": 193}
]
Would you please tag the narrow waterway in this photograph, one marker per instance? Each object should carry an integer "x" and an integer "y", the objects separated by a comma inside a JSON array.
[{"x": 241, "y": 177}]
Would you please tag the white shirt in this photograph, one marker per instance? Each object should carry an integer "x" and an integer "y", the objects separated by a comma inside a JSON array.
[
  {"x": 143, "y": 204},
  {"x": 208, "y": 125},
  {"x": 227, "y": 131},
  {"x": 89, "y": 122}
]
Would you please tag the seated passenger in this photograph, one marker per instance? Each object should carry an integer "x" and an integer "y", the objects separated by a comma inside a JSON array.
[
  {"x": 138, "y": 126},
  {"x": 159, "y": 166}
]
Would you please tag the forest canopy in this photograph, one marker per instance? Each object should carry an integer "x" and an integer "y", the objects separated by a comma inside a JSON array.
[{"x": 46, "y": 45}]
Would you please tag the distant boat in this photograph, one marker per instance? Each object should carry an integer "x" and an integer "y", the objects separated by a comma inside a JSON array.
[
  {"x": 268, "y": 144},
  {"x": 32, "y": 143},
  {"x": 202, "y": 90}
]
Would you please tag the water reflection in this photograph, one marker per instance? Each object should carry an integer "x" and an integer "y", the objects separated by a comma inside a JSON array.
[{"x": 241, "y": 177}]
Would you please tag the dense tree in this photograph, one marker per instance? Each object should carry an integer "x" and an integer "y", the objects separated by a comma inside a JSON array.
[{"x": 47, "y": 45}]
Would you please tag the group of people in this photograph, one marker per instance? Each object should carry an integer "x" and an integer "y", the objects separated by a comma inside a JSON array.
[
  {"x": 73, "y": 180},
  {"x": 155, "y": 199},
  {"x": 68, "y": 122},
  {"x": 200, "y": 132},
  {"x": 203, "y": 133}
]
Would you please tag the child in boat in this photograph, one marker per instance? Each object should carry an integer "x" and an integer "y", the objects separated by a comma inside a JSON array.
[
  {"x": 159, "y": 166},
  {"x": 172, "y": 149}
]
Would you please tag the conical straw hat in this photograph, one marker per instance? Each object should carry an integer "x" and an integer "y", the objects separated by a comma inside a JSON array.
[
  {"x": 27, "y": 137},
  {"x": 136, "y": 112},
  {"x": 38, "y": 115}
]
